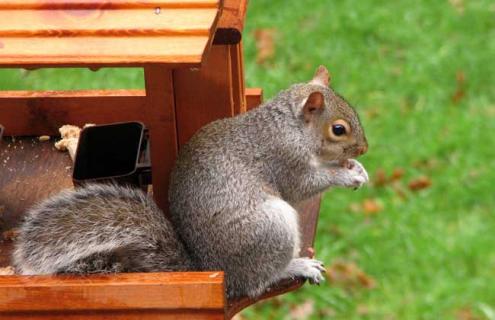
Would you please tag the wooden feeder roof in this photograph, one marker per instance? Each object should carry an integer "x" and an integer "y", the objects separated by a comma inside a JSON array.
[{"x": 113, "y": 32}]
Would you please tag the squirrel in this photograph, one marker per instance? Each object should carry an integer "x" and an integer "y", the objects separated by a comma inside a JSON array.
[{"x": 231, "y": 197}]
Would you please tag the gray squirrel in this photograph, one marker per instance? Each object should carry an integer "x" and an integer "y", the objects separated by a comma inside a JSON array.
[{"x": 231, "y": 196}]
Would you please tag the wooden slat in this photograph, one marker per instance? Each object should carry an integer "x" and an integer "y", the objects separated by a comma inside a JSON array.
[
  {"x": 254, "y": 97},
  {"x": 109, "y": 4},
  {"x": 129, "y": 291},
  {"x": 204, "y": 95},
  {"x": 238, "y": 86},
  {"x": 161, "y": 119},
  {"x": 45, "y": 33},
  {"x": 121, "y": 315},
  {"x": 34, "y": 113},
  {"x": 106, "y": 23},
  {"x": 102, "y": 51}
]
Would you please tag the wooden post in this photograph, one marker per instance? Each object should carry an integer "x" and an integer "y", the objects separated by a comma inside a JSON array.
[
  {"x": 160, "y": 115},
  {"x": 204, "y": 95}
]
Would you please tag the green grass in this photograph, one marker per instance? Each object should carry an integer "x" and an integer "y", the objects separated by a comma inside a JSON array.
[{"x": 432, "y": 252}]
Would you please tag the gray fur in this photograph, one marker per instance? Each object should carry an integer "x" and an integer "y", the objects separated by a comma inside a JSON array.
[
  {"x": 231, "y": 199},
  {"x": 98, "y": 228},
  {"x": 234, "y": 182}
]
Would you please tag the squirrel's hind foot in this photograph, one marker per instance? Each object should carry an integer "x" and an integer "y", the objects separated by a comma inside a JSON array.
[{"x": 306, "y": 268}]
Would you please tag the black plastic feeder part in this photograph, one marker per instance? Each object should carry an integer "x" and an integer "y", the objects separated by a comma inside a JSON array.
[{"x": 117, "y": 153}]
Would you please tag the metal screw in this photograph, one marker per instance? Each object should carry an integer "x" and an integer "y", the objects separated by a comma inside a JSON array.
[{"x": 158, "y": 10}]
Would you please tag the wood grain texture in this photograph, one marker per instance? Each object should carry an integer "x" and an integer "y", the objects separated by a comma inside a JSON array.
[
  {"x": 231, "y": 23},
  {"x": 30, "y": 171},
  {"x": 238, "y": 86},
  {"x": 107, "y": 4},
  {"x": 204, "y": 95},
  {"x": 79, "y": 33},
  {"x": 254, "y": 97},
  {"x": 160, "y": 114},
  {"x": 179, "y": 314},
  {"x": 131, "y": 291},
  {"x": 106, "y": 23},
  {"x": 34, "y": 113},
  {"x": 84, "y": 51}
]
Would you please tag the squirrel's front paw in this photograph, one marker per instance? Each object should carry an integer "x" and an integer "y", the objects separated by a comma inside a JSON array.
[
  {"x": 352, "y": 174},
  {"x": 307, "y": 268}
]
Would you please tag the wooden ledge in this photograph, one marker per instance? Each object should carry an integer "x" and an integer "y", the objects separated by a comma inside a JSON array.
[{"x": 165, "y": 295}]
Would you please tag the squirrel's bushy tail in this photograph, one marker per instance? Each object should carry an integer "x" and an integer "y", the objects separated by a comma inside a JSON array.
[{"x": 98, "y": 228}]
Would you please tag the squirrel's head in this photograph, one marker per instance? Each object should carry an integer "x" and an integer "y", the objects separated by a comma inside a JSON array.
[{"x": 333, "y": 122}]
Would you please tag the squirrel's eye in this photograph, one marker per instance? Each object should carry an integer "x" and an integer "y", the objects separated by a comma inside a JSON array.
[{"x": 338, "y": 129}]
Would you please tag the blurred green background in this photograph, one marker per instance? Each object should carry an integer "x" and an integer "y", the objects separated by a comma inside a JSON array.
[{"x": 419, "y": 241}]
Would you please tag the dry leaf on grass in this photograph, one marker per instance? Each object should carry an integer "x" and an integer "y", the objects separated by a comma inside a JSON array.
[
  {"x": 380, "y": 179},
  {"x": 10, "y": 235},
  {"x": 397, "y": 174},
  {"x": 371, "y": 206},
  {"x": 303, "y": 310},
  {"x": 420, "y": 183},
  {"x": 349, "y": 275},
  {"x": 265, "y": 45},
  {"x": 7, "y": 271},
  {"x": 466, "y": 314},
  {"x": 460, "y": 90}
]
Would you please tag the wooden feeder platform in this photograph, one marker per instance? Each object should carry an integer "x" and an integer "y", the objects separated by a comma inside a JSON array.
[{"x": 191, "y": 53}]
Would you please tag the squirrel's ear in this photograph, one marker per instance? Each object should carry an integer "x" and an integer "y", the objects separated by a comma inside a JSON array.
[
  {"x": 321, "y": 77},
  {"x": 313, "y": 105}
]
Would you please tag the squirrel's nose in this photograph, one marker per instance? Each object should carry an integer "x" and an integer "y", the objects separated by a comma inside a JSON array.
[{"x": 362, "y": 149}]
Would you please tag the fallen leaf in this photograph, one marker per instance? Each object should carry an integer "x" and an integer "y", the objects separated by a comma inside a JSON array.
[
  {"x": 460, "y": 90},
  {"x": 466, "y": 314},
  {"x": 365, "y": 280},
  {"x": 7, "y": 271},
  {"x": 302, "y": 311},
  {"x": 265, "y": 45},
  {"x": 420, "y": 183},
  {"x": 380, "y": 179},
  {"x": 10, "y": 235},
  {"x": 397, "y": 174},
  {"x": 349, "y": 275},
  {"x": 371, "y": 207}
]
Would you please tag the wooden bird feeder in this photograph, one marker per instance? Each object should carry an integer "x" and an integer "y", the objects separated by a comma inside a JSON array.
[{"x": 191, "y": 52}]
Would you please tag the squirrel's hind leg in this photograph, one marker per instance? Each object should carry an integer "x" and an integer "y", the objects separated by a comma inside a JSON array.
[{"x": 262, "y": 249}]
